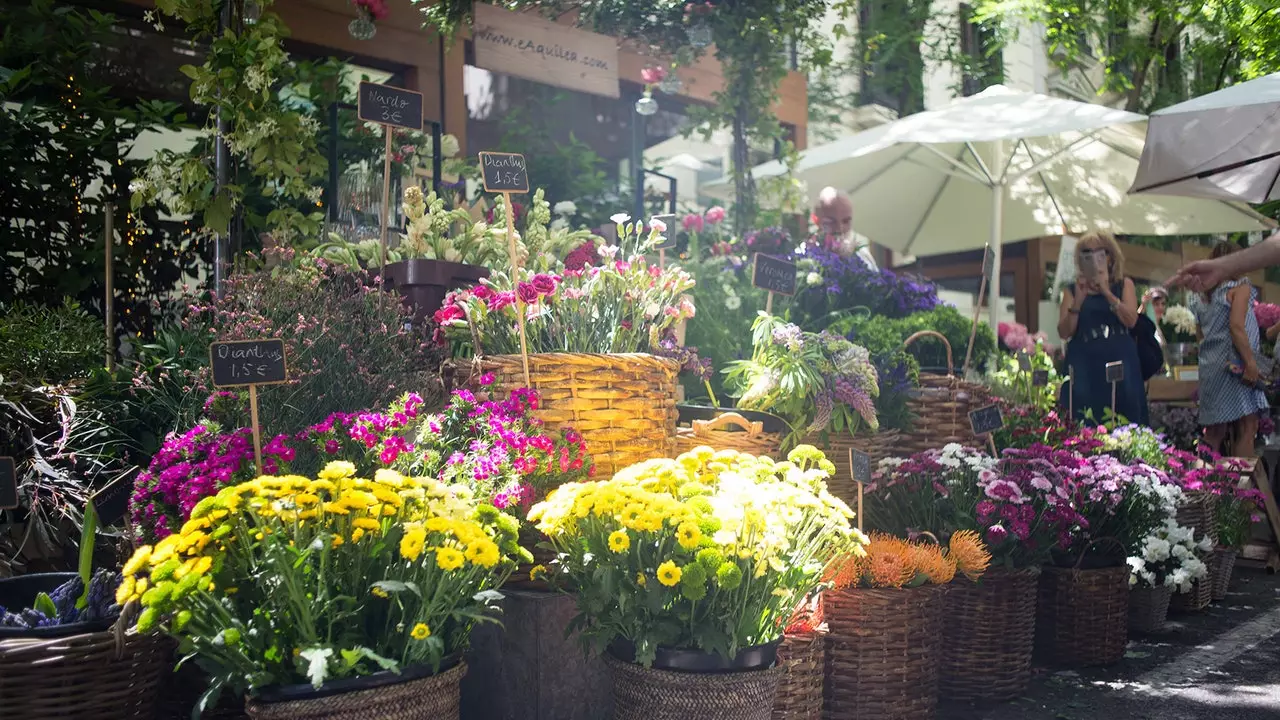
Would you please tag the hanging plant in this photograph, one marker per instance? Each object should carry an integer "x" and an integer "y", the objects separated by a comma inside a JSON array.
[
  {"x": 364, "y": 27},
  {"x": 446, "y": 16}
]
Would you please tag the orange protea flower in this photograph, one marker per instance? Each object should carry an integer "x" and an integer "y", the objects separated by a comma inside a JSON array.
[
  {"x": 845, "y": 571},
  {"x": 969, "y": 553},
  {"x": 938, "y": 568},
  {"x": 890, "y": 562}
]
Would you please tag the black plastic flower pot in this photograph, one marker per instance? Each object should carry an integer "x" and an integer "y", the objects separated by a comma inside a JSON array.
[
  {"x": 19, "y": 593},
  {"x": 424, "y": 283}
]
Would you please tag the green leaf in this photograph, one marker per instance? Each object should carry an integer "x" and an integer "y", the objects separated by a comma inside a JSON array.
[
  {"x": 88, "y": 538},
  {"x": 396, "y": 586},
  {"x": 44, "y": 604}
]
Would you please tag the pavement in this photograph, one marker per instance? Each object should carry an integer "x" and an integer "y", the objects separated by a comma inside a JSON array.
[{"x": 1219, "y": 664}]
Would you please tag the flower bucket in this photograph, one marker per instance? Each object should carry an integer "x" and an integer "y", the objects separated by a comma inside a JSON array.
[
  {"x": 623, "y": 404},
  {"x": 1198, "y": 599},
  {"x": 1197, "y": 511},
  {"x": 1148, "y": 608},
  {"x": 941, "y": 406},
  {"x": 1221, "y": 565},
  {"x": 989, "y": 634},
  {"x": 1082, "y": 616},
  {"x": 424, "y": 283},
  {"x": 802, "y": 657},
  {"x": 111, "y": 674},
  {"x": 415, "y": 694},
  {"x": 743, "y": 691},
  {"x": 884, "y": 651}
]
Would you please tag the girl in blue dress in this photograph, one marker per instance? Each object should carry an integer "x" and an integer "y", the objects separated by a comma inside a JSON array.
[
  {"x": 1095, "y": 317},
  {"x": 1229, "y": 339}
]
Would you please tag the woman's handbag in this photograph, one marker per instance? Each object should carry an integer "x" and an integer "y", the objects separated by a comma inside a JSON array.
[{"x": 1150, "y": 354}]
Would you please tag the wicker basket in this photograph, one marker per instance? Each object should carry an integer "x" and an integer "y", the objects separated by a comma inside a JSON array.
[
  {"x": 1148, "y": 608},
  {"x": 749, "y": 437},
  {"x": 1082, "y": 616},
  {"x": 988, "y": 636},
  {"x": 941, "y": 408},
  {"x": 641, "y": 693},
  {"x": 434, "y": 697},
  {"x": 803, "y": 660},
  {"x": 109, "y": 675},
  {"x": 623, "y": 404},
  {"x": 182, "y": 690},
  {"x": 1221, "y": 564},
  {"x": 1199, "y": 598},
  {"x": 884, "y": 649},
  {"x": 878, "y": 447},
  {"x": 1196, "y": 512}
]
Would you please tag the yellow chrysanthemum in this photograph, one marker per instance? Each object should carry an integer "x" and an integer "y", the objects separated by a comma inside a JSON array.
[
  {"x": 357, "y": 534},
  {"x": 336, "y": 508},
  {"x": 337, "y": 541},
  {"x": 668, "y": 573},
  {"x": 366, "y": 523},
  {"x": 305, "y": 498},
  {"x": 124, "y": 592},
  {"x": 138, "y": 560},
  {"x": 415, "y": 537},
  {"x": 537, "y": 572},
  {"x": 420, "y": 632},
  {"x": 689, "y": 535},
  {"x": 619, "y": 541},
  {"x": 337, "y": 470},
  {"x": 449, "y": 559},
  {"x": 484, "y": 553},
  {"x": 640, "y": 580},
  {"x": 379, "y": 592}
]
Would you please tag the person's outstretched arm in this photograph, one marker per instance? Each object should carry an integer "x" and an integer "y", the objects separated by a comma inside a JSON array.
[{"x": 1204, "y": 274}]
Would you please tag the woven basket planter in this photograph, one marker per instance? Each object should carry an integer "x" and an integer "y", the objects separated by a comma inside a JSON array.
[
  {"x": 182, "y": 691},
  {"x": 836, "y": 447},
  {"x": 1196, "y": 512},
  {"x": 941, "y": 407},
  {"x": 802, "y": 658},
  {"x": 1148, "y": 608},
  {"x": 884, "y": 649},
  {"x": 988, "y": 635},
  {"x": 433, "y": 697},
  {"x": 729, "y": 431},
  {"x": 1082, "y": 616},
  {"x": 108, "y": 675},
  {"x": 624, "y": 405},
  {"x": 1201, "y": 594},
  {"x": 1221, "y": 565},
  {"x": 641, "y": 693}
]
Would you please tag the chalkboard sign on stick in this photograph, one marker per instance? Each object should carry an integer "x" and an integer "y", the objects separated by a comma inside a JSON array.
[
  {"x": 112, "y": 501},
  {"x": 1024, "y": 361},
  {"x": 247, "y": 362},
  {"x": 8, "y": 484},
  {"x": 1040, "y": 378},
  {"x": 986, "y": 420},
  {"x": 666, "y": 238},
  {"x": 1115, "y": 372},
  {"x": 988, "y": 261},
  {"x": 860, "y": 463},
  {"x": 504, "y": 172},
  {"x": 774, "y": 275},
  {"x": 389, "y": 105}
]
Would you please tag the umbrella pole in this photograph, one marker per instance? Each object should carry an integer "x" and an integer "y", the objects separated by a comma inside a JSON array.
[{"x": 997, "y": 228}]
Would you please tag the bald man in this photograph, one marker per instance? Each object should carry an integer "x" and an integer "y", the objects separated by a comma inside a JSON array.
[{"x": 834, "y": 211}]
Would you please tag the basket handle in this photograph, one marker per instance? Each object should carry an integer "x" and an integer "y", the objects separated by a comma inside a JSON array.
[
  {"x": 951, "y": 366},
  {"x": 704, "y": 428}
]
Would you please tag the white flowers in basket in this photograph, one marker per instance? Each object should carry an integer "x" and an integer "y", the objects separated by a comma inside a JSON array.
[{"x": 1168, "y": 557}]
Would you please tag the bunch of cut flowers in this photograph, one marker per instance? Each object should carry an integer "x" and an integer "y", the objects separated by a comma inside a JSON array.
[
  {"x": 1119, "y": 504},
  {"x": 290, "y": 580},
  {"x": 1167, "y": 557},
  {"x": 437, "y": 233},
  {"x": 817, "y": 383},
  {"x": 892, "y": 562},
  {"x": 622, "y": 305},
  {"x": 711, "y": 551},
  {"x": 1236, "y": 503}
]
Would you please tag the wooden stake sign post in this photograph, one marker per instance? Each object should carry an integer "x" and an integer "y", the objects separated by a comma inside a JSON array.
[
  {"x": 508, "y": 173},
  {"x": 860, "y": 468},
  {"x": 988, "y": 260},
  {"x": 390, "y": 107},
  {"x": 773, "y": 275},
  {"x": 985, "y": 421},
  {"x": 8, "y": 484},
  {"x": 252, "y": 363}
]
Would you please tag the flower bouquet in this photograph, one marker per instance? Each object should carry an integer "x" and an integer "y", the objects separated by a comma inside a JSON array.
[
  {"x": 1166, "y": 562},
  {"x": 589, "y": 334},
  {"x": 696, "y": 564},
  {"x": 337, "y": 592},
  {"x": 885, "y": 617},
  {"x": 1178, "y": 326}
]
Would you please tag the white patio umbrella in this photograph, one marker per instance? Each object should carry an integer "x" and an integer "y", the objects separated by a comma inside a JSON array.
[
  {"x": 1000, "y": 166},
  {"x": 1223, "y": 145}
]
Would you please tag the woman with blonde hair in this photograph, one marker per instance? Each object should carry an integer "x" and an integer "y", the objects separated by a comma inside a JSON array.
[
  {"x": 1229, "y": 338},
  {"x": 1096, "y": 316}
]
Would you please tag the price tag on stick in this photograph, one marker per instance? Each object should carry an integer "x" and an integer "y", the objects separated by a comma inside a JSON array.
[
  {"x": 1115, "y": 376},
  {"x": 773, "y": 275},
  {"x": 112, "y": 501},
  {"x": 985, "y": 421},
  {"x": 251, "y": 363},
  {"x": 860, "y": 468},
  {"x": 1040, "y": 378},
  {"x": 507, "y": 173},
  {"x": 1024, "y": 361},
  {"x": 390, "y": 107},
  {"x": 8, "y": 484}
]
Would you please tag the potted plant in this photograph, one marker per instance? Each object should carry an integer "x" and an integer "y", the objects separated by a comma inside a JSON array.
[
  {"x": 685, "y": 572},
  {"x": 884, "y": 613},
  {"x": 589, "y": 336},
  {"x": 1178, "y": 326},
  {"x": 442, "y": 250},
  {"x": 1235, "y": 505},
  {"x": 339, "y": 596},
  {"x": 1166, "y": 563}
]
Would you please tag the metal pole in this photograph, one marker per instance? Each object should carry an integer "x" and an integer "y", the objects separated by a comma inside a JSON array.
[
  {"x": 437, "y": 161},
  {"x": 997, "y": 228},
  {"x": 109, "y": 305},
  {"x": 222, "y": 173},
  {"x": 637, "y": 163},
  {"x": 333, "y": 162}
]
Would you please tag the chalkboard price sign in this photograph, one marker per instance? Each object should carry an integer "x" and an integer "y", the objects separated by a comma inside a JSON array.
[
  {"x": 1040, "y": 378},
  {"x": 504, "y": 172},
  {"x": 988, "y": 262},
  {"x": 8, "y": 484},
  {"x": 861, "y": 466},
  {"x": 1115, "y": 372},
  {"x": 774, "y": 275},
  {"x": 389, "y": 105},
  {"x": 667, "y": 239},
  {"x": 112, "y": 501},
  {"x": 986, "y": 420},
  {"x": 247, "y": 362},
  {"x": 1024, "y": 361}
]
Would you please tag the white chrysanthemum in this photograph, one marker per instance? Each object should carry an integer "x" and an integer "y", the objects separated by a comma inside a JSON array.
[{"x": 1181, "y": 318}]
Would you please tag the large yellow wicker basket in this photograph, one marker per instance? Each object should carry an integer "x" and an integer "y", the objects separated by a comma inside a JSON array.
[
  {"x": 624, "y": 404},
  {"x": 729, "y": 431}
]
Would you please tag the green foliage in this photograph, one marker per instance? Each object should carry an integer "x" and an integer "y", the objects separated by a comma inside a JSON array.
[
  {"x": 1009, "y": 382},
  {"x": 49, "y": 345},
  {"x": 1233, "y": 519},
  {"x": 880, "y": 334}
]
